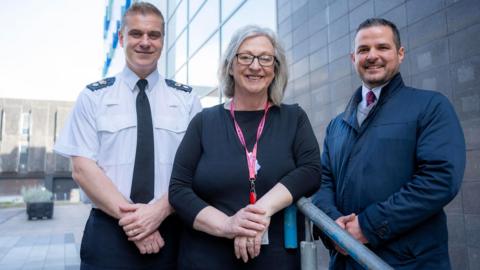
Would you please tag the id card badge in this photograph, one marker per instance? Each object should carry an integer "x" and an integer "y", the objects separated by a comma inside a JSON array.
[
  {"x": 257, "y": 166},
  {"x": 265, "y": 238}
]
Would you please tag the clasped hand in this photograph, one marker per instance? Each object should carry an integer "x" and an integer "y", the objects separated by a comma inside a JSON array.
[
  {"x": 140, "y": 223},
  {"x": 247, "y": 227},
  {"x": 351, "y": 225}
]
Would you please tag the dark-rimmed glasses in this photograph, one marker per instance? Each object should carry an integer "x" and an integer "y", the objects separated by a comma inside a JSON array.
[{"x": 247, "y": 59}]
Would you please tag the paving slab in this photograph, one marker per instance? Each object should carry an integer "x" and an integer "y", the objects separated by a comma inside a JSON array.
[{"x": 42, "y": 244}]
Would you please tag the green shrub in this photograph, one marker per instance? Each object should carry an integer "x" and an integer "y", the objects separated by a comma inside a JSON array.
[{"x": 36, "y": 194}]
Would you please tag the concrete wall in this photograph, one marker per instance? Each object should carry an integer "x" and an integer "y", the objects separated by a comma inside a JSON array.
[
  {"x": 46, "y": 120},
  {"x": 442, "y": 41}
]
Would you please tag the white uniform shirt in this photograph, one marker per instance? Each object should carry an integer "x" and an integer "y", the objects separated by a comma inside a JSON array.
[{"x": 102, "y": 127}]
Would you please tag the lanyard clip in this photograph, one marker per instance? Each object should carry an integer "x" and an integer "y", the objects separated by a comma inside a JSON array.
[
  {"x": 252, "y": 185},
  {"x": 253, "y": 193}
]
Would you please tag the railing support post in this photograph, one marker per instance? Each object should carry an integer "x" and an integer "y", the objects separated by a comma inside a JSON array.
[{"x": 355, "y": 249}]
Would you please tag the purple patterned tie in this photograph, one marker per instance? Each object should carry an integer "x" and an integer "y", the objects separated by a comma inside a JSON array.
[{"x": 370, "y": 98}]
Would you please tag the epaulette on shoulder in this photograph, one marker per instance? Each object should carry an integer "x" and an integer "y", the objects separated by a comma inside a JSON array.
[
  {"x": 178, "y": 86},
  {"x": 101, "y": 84}
]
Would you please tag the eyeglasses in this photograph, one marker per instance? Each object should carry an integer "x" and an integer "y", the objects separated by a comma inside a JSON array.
[{"x": 247, "y": 59}]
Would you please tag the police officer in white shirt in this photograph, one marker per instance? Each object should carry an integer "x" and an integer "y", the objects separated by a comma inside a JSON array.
[{"x": 101, "y": 138}]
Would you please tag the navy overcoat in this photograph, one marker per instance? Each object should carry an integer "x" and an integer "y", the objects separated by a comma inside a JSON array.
[{"x": 396, "y": 172}]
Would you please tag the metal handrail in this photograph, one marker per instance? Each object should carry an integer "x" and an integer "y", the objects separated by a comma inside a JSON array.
[{"x": 354, "y": 248}]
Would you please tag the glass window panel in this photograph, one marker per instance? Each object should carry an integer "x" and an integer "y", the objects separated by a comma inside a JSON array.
[
  {"x": 171, "y": 37},
  {"x": 181, "y": 50},
  {"x": 212, "y": 99},
  {"x": 25, "y": 127},
  {"x": 228, "y": 6},
  {"x": 23, "y": 158},
  {"x": 171, "y": 63},
  {"x": 177, "y": 23},
  {"x": 261, "y": 13},
  {"x": 194, "y": 5},
  {"x": 177, "y": 55},
  {"x": 203, "y": 65},
  {"x": 1, "y": 124},
  {"x": 202, "y": 69},
  {"x": 203, "y": 25},
  {"x": 181, "y": 75},
  {"x": 181, "y": 16},
  {"x": 172, "y": 4}
]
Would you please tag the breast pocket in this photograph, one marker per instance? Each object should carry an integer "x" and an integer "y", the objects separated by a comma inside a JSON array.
[
  {"x": 396, "y": 131},
  {"x": 117, "y": 135},
  {"x": 391, "y": 153},
  {"x": 170, "y": 132},
  {"x": 396, "y": 141}
]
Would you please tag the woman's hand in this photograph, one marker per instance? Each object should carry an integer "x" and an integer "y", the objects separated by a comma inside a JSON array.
[
  {"x": 273, "y": 201},
  {"x": 249, "y": 247},
  {"x": 248, "y": 221}
]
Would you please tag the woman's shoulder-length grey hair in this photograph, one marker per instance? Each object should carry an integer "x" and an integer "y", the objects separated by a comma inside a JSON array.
[{"x": 279, "y": 83}]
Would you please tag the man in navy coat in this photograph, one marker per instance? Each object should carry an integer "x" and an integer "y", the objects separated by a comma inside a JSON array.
[{"x": 391, "y": 161}]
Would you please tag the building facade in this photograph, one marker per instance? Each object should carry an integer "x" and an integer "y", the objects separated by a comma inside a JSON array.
[
  {"x": 197, "y": 32},
  {"x": 28, "y": 130},
  {"x": 441, "y": 38}
]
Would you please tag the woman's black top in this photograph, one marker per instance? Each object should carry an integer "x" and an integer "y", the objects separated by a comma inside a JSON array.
[{"x": 210, "y": 168}]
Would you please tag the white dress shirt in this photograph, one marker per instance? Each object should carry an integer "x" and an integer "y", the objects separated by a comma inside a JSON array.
[
  {"x": 362, "y": 109},
  {"x": 102, "y": 127}
]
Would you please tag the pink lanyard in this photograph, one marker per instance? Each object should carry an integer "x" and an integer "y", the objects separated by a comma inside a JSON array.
[{"x": 251, "y": 156}]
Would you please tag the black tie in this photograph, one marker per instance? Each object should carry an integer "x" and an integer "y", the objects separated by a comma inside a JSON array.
[{"x": 144, "y": 170}]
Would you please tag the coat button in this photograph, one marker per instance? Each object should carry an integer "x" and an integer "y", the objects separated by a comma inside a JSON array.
[{"x": 382, "y": 231}]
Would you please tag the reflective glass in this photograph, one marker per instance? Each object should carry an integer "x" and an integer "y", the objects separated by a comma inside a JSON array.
[
  {"x": 172, "y": 4},
  {"x": 203, "y": 25},
  {"x": 177, "y": 55},
  {"x": 194, "y": 5},
  {"x": 202, "y": 68},
  {"x": 181, "y": 50},
  {"x": 261, "y": 13},
  {"x": 212, "y": 99},
  {"x": 228, "y": 6},
  {"x": 171, "y": 63},
  {"x": 181, "y": 75},
  {"x": 177, "y": 23}
]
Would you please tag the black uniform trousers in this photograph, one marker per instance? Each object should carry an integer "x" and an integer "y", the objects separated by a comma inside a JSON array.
[{"x": 105, "y": 245}]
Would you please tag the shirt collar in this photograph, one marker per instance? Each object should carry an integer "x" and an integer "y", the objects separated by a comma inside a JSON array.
[
  {"x": 376, "y": 91},
  {"x": 131, "y": 79}
]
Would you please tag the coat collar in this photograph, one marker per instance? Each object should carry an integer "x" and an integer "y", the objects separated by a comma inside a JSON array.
[{"x": 350, "y": 113}]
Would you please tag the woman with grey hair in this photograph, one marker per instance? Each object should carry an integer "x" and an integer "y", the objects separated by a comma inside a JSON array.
[{"x": 242, "y": 163}]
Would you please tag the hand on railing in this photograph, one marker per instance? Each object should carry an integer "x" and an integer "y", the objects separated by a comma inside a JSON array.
[
  {"x": 343, "y": 238},
  {"x": 350, "y": 224},
  {"x": 353, "y": 228},
  {"x": 342, "y": 222}
]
